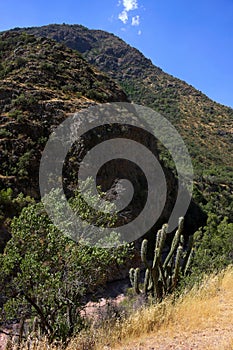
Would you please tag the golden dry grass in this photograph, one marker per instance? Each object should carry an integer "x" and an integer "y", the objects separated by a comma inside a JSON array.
[{"x": 200, "y": 319}]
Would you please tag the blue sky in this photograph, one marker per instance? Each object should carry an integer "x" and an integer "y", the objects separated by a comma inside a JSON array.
[{"x": 192, "y": 40}]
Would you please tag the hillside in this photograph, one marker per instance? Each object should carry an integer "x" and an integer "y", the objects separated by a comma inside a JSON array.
[
  {"x": 193, "y": 113},
  {"x": 41, "y": 82},
  {"x": 205, "y": 125},
  {"x": 48, "y": 278}
]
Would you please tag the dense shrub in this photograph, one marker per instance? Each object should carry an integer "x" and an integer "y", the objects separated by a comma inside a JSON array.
[
  {"x": 213, "y": 249},
  {"x": 44, "y": 273}
]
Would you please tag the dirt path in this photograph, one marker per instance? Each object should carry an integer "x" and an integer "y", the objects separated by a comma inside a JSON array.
[
  {"x": 217, "y": 338},
  {"x": 199, "y": 324}
]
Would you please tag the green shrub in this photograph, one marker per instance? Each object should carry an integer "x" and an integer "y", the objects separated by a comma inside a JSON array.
[
  {"x": 15, "y": 114},
  {"x": 5, "y": 133},
  {"x": 23, "y": 164},
  {"x": 25, "y": 102},
  {"x": 44, "y": 273},
  {"x": 213, "y": 249},
  {"x": 20, "y": 62}
]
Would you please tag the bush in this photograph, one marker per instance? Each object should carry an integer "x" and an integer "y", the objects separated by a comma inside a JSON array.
[
  {"x": 213, "y": 248},
  {"x": 24, "y": 101},
  {"x": 45, "y": 274},
  {"x": 23, "y": 164},
  {"x": 20, "y": 62},
  {"x": 5, "y": 133}
]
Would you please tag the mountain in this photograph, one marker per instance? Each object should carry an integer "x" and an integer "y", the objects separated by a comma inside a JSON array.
[
  {"x": 41, "y": 83},
  {"x": 205, "y": 125},
  {"x": 43, "y": 80},
  {"x": 193, "y": 113}
]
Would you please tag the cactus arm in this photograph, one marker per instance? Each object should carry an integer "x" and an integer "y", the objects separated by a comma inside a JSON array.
[
  {"x": 162, "y": 276},
  {"x": 188, "y": 262},
  {"x": 187, "y": 255},
  {"x": 131, "y": 276},
  {"x": 136, "y": 280},
  {"x": 158, "y": 239},
  {"x": 146, "y": 282},
  {"x": 175, "y": 242},
  {"x": 161, "y": 237},
  {"x": 144, "y": 253},
  {"x": 177, "y": 266}
]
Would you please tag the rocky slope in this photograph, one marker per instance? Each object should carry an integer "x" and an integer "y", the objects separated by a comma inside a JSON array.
[
  {"x": 205, "y": 125},
  {"x": 41, "y": 83},
  {"x": 193, "y": 113}
]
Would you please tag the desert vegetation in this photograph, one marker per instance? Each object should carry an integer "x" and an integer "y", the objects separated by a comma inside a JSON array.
[
  {"x": 45, "y": 277},
  {"x": 181, "y": 283}
]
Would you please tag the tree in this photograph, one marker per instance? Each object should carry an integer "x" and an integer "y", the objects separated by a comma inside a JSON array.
[
  {"x": 214, "y": 246},
  {"x": 43, "y": 273}
]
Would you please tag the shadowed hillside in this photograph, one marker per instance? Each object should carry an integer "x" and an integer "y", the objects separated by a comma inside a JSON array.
[
  {"x": 41, "y": 83},
  {"x": 205, "y": 125}
]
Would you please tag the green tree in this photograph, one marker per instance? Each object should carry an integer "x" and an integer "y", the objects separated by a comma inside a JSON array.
[
  {"x": 214, "y": 247},
  {"x": 45, "y": 274}
]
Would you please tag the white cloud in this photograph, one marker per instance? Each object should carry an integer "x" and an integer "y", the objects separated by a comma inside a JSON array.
[
  {"x": 136, "y": 21},
  {"x": 139, "y": 32},
  {"x": 123, "y": 16},
  {"x": 129, "y": 5}
]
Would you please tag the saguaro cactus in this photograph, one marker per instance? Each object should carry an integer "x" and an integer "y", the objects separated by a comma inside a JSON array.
[{"x": 161, "y": 277}]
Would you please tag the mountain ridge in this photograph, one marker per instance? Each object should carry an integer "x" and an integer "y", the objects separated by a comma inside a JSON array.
[
  {"x": 205, "y": 125},
  {"x": 148, "y": 85},
  {"x": 42, "y": 82}
]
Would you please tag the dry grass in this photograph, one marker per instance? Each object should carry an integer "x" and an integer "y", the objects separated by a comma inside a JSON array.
[
  {"x": 206, "y": 308},
  {"x": 201, "y": 319}
]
